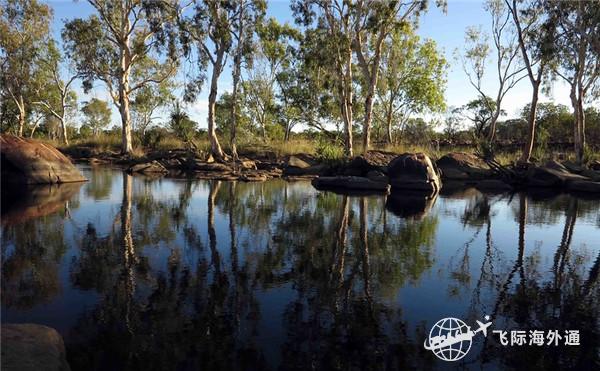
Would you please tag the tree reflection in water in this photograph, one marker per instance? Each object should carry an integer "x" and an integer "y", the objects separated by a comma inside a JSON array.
[{"x": 227, "y": 275}]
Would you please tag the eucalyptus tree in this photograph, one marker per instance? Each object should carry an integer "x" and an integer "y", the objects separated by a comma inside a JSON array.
[
  {"x": 115, "y": 44},
  {"x": 373, "y": 22},
  {"x": 97, "y": 115},
  {"x": 412, "y": 79},
  {"x": 249, "y": 17},
  {"x": 533, "y": 37},
  {"x": 54, "y": 94},
  {"x": 334, "y": 27},
  {"x": 209, "y": 34},
  {"x": 506, "y": 57},
  {"x": 24, "y": 34},
  {"x": 271, "y": 64},
  {"x": 147, "y": 102},
  {"x": 578, "y": 50}
]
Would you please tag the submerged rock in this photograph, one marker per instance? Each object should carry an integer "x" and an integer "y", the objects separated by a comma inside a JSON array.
[
  {"x": 350, "y": 182},
  {"x": 414, "y": 171},
  {"x": 463, "y": 166},
  {"x": 31, "y": 347},
  {"x": 28, "y": 161}
]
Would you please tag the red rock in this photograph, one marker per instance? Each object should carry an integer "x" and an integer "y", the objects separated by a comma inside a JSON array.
[{"x": 29, "y": 161}]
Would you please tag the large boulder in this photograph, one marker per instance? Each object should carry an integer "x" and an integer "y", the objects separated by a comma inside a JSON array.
[
  {"x": 463, "y": 166},
  {"x": 30, "y": 347},
  {"x": 361, "y": 165},
  {"x": 28, "y": 161},
  {"x": 414, "y": 171},
  {"x": 553, "y": 174}
]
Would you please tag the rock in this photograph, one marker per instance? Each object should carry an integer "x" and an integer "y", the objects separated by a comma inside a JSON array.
[
  {"x": 370, "y": 161},
  {"x": 253, "y": 177},
  {"x": 30, "y": 347},
  {"x": 595, "y": 165},
  {"x": 463, "y": 166},
  {"x": 211, "y": 166},
  {"x": 555, "y": 165},
  {"x": 28, "y": 161},
  {"x": 554, "y": 176},
  {"x": 350, "y": 182},
  {"x": 297, "y": 162},
  {"x": 413, "y": 171},
  {"x": 593, "y": 175},
  {"x": 378, "y": 176},
  {"x": 584, "y": 186},
  {"x": 303, "y": 165},
  {"x": 573, "y": 167},
  {"x": 153, "y": 167},
  {"x": 299, "y": 178},
  {"x": 247, "y": 164},
  {"x": 493, "y": 185},
  {"x": 317, "y": 169},
  {"x": 267, "y": 165}
]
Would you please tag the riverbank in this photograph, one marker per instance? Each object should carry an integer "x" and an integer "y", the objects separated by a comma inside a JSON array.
[{"x": 365, "y": 172}]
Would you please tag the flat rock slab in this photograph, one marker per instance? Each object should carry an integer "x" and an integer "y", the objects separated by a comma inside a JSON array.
[
  {"x": 31, "y": 347},
  {"x": 29, "y": 161},
  {"x": 350, "y": 182},
  {"x": 554, "y": 176}
]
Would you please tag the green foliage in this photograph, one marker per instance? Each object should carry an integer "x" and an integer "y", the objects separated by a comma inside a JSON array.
[
  {"x": 412, "y": 81},
  {"x": 328, "y": 152},
  {"x": 152, "y": 137},
  {"x": 97, "y": 115},
  {"x": 24, "y": 38},
  {"x": 181, "y": 125}
]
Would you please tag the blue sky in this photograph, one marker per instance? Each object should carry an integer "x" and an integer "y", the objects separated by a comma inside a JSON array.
[{"x": 446, "y": 29}]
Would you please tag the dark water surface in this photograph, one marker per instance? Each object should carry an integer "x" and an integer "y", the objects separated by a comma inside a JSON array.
[{"x": 140, "y": 273}]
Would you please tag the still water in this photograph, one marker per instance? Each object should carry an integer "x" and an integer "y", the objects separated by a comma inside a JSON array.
[{"x": 141, "y": 273}]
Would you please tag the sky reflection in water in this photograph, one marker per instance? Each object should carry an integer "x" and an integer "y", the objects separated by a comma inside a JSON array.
[{"x": 138, "y": 273}]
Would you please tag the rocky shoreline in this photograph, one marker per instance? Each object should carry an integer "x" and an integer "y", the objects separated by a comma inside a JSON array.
[{"x": 375, "y": 171}]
